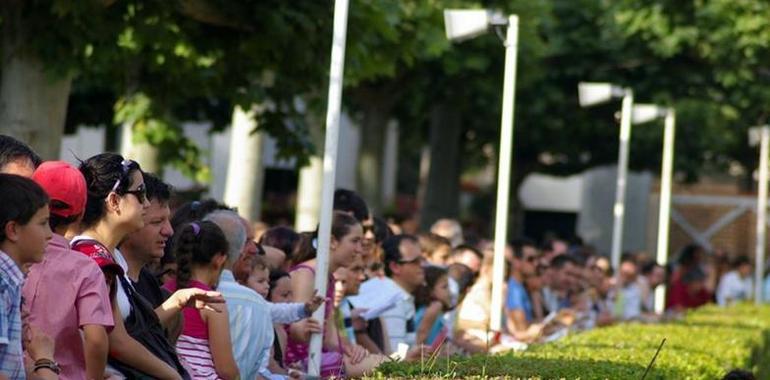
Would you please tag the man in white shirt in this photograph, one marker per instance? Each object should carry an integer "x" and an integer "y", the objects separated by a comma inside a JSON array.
[
  {"x": 736, "y": 285},
  {"x": 403, "y": 267},
  {"x": 251, "y": 327}
]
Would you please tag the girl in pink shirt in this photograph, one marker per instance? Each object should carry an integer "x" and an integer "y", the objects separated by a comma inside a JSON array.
[{"x": 201, "y": 252}]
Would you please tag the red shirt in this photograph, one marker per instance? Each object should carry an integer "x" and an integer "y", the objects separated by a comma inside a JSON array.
[{"x": 680, "y": 297}]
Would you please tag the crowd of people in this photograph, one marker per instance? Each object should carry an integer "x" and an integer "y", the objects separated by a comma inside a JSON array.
[{"x": 100, "y": 278}]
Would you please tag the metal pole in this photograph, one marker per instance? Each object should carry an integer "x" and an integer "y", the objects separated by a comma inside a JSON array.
[
  {"x": 759, "y": 262},
  {"x": 665, "y": 202},
  {"x": 618, "y": 211},
  {"x": 504, "y": 172},
  {"x": 334, "y": 101}
]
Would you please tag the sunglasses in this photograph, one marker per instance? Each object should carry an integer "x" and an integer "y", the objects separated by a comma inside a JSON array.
[
  {"x": 530, "y": 259},
  {"x": 415, "y": 260},
  {"x": 140, "y": 193},
  {"x": 126, "y": 167}
]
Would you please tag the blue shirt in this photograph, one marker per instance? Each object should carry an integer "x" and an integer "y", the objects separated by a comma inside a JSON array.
[
  {"x": 11, "y": 354},
  {"x": 518, "y": 299},
  {"x": 251, "y": 327}
]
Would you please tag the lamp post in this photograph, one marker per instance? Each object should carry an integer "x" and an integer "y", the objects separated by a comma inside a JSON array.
[
  {"x": 643, "y": 113},
  {"x": 760, "y": 135},
  {"x": 596, "y": 93},
  {"x": 465, "y": 24},
  {"x": 334, "y": 101}
]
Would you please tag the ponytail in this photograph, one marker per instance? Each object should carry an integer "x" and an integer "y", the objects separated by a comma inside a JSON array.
[{"x": 196, "y": 245}]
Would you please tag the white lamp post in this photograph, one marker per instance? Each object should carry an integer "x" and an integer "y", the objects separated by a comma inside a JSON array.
[
  {"x": 761, "y": 135},
  {"x": 596, "y": 93},
  {"x": 462, "y": 25},
  {"x": 336, "y": 70},
  {"x": 643, "y": 113}
]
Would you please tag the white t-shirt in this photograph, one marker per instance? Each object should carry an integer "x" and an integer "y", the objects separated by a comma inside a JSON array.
[
  {"x": 399, "y": 319},
  {"x": 732, "y": 288}
]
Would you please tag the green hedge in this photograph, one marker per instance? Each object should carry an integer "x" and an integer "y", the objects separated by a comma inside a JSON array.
[{"x": 706, "y": 344}]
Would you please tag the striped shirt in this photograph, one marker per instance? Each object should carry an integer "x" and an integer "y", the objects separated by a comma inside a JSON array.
[
  {"x": 11, "y": 281},
  {"x": 193, "y": 345}
]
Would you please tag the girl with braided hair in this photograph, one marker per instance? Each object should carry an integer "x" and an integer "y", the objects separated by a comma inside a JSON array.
[{"x": 201, "y": 249}]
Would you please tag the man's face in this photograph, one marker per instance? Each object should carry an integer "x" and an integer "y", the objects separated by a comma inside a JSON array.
[
  {"x": 368, "y": 229},
  {"x": 409, "y": 269},
  {"x": 745, "y": 270},
  {"x": 565, "y": 277},
  {"x": 20, "y": 166},
  {"x": 528, "y": 262},
  {"x": 149, "y": 242},
  {"x": 627, "y": 272}
]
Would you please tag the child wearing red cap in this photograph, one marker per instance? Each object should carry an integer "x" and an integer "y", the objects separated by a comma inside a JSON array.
[{"x": 66, "y": 294}]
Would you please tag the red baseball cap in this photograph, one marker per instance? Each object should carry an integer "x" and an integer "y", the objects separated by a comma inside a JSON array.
[{"x": 63, "y": 183}]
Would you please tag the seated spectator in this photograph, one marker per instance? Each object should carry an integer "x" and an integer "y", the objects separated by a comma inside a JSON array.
[
  {"x": 17, "y": 157},
  {"x": 689, "y": 292},
  {"x": 449, "y": 229},
  {"x": 201, "y": 251},
  {"x": 431, "y": 301},
  {"x": 559, "y": 279},
  {"x": 652, "y": 276},
  {"x": 249, "y": 320},
  {"x": 520, "y": 321},
  {"x": 737, "y": 284},
  {"x": 436, "y": 249},
  {"x": 114, "y": 208},
  {"x": 403, "y": 268},
  {"x": 147, "y": 245},
  {"x": 77, "y": 316},
  {"x": 628, "y": 297},
  {"x": 23, "y": 239},
  {"x": 339, "y": 356},
  {"x": 472, "y": 328}
]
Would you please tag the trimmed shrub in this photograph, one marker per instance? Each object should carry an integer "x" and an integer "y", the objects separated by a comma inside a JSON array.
[{"x": 706, "y": 344}]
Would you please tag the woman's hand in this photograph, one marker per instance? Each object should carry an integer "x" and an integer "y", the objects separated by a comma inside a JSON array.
[{"x": 199, "y": 299}]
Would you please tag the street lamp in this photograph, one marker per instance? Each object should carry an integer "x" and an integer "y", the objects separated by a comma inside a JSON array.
[
  {"x": 462, "y": 25},
  {"x": 590, "y": 94},
  {"x": 643, "y": 113},
  {"x": 761, "y": 136}
]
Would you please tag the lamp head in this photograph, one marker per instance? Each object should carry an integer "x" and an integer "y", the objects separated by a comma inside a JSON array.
[
  {"x": 755, "y": 134},
  {"x": 591, "y": 93},
  {"x": 643, "y": 113},
  {"x": 464, "y": 24}
]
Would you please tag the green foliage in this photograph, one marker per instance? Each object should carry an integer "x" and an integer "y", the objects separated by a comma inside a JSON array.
[{"x": 708, "y": 343}]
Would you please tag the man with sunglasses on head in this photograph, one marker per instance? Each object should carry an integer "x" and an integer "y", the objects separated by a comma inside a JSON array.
[{"x": 518, "y": 305}]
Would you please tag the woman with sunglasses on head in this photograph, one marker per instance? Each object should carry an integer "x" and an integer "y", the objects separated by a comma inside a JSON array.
[{"x": 115, "y": 207}]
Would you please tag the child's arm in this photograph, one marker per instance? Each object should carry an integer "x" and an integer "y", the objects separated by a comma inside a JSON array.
[
  {"x": 432, "y": 313},
  {"x": 95, "y": 347},
  {"x": 220, "y": 344},
  {"x": 287, "y": 312}
]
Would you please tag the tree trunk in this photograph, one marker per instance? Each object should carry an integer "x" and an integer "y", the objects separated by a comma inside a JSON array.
[
  {"x": 371, "y": 156},
  {"x": 33, "y": 102},
  {"x": 442, "y": 196},
  {"x": 310, "y": 182},
  {"x": 142, "y": 152},
  {"x": 245, "y": 170}
]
